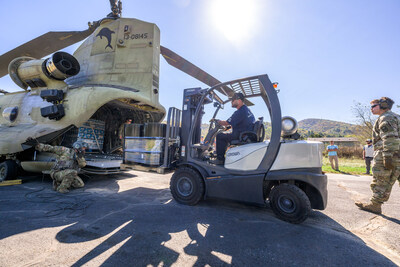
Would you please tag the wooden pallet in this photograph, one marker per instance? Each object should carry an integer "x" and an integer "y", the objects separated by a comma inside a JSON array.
[
  {"x": 10, "y": 182},
  {"x": 138, "y": 167}
]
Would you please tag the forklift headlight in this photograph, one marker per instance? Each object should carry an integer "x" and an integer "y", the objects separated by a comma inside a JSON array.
[{"x": 289, "y": 126}]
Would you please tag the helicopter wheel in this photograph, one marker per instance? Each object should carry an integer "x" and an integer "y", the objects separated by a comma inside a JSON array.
[{"x": 8, "y": 169}]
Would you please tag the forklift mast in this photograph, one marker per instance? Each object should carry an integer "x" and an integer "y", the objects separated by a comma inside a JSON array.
[{"x": 191, "y": 99}]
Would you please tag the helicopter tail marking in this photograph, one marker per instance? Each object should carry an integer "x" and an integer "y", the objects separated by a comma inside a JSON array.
[{"x": 106, "y": 32}]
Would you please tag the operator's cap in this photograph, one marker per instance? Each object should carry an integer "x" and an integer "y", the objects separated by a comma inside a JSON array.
[
  {"x": 369, "y": 140},
  {"x": 237, "y": 96}
]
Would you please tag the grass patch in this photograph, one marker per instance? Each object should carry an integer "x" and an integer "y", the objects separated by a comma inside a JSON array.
[{"x": 346, "y": 165}]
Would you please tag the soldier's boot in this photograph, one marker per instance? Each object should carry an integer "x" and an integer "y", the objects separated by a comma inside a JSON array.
[
  {"x": 370, "y": 207},
  {"x": 62, "y": 190},
  {"x": 78, "y": 183}
]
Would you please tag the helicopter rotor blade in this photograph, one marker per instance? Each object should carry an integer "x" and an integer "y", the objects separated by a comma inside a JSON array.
[
  {"x": 43, "y": 45},
  {"x": 182, "y": 64}
]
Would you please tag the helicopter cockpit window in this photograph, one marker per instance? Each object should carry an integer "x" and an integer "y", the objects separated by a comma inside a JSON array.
[{"x": 10, "y": 113}]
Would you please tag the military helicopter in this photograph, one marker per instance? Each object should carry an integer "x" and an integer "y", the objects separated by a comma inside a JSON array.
[{"x": 113, "y": 75}]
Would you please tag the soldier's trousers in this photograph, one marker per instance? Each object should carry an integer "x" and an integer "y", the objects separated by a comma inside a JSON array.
[
  {"x": 65, "y": 179},
  {"x": 383, "y": 179}
]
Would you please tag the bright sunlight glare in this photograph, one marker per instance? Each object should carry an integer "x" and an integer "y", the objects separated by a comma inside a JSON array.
[{"x": 234, "y": 18}]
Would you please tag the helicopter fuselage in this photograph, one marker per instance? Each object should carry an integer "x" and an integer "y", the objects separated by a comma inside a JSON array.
[{"x": 117, "y": 79}]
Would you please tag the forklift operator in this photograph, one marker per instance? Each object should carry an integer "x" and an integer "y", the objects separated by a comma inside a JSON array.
[{"x": 241, "y": 120}]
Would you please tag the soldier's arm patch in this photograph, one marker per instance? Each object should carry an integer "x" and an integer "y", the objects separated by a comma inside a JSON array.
[{"x": 385, "y": 126}]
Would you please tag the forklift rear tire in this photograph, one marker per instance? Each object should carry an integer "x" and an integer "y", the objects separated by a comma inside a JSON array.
[
  {"x": 187, "y": 186},
  {"x": 8, "y": 169},
  {"x": 290, "y": 203}
]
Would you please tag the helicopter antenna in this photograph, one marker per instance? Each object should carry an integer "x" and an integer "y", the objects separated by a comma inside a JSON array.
[{"x": 116, "y": 9}]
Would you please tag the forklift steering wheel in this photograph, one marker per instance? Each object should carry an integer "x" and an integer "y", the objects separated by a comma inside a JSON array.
[
  {"x": 218, "y": 126},
  {"x": 214, "y": 124}
]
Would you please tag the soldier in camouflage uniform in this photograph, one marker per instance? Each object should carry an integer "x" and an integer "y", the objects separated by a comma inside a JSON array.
[
  {"x": 386, "y": 166},
  {"x": 121, "y": 131},
  {"x": 68, "y": 161}
]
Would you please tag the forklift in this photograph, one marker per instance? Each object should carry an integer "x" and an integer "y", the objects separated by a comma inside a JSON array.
[{"x": 283, "y": 171}]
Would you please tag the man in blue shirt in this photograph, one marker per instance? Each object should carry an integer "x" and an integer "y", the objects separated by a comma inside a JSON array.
[
  {"x": 241, "y": 120},
  {"x": 332, "y": 155}
]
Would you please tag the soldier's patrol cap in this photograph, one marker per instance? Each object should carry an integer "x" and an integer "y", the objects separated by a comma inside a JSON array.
[{"x": 237, "y": 96}]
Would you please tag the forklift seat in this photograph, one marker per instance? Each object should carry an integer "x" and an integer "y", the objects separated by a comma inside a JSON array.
[{"x": 255, "y": 136}]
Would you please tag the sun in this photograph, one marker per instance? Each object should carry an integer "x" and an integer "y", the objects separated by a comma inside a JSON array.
[{"x": 236, "y": 19}]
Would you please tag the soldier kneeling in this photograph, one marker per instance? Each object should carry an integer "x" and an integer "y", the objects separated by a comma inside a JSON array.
[{"x": 68, "y": 162}]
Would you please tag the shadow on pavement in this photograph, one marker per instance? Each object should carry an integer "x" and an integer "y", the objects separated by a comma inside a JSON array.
[
  {"x": 147, "y": 228},
  {"x": 390, "y": 218}
]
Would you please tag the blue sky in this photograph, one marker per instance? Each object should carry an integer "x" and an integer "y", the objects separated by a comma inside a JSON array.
[{"x": 324, "y": 54}]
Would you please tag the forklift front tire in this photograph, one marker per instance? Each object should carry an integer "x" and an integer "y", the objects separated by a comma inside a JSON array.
[
  {"x": 290, "y": 203},
  {"x": 187, "y": 186}
]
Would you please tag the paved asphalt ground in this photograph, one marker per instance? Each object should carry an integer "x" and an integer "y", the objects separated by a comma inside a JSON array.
[{"x": 131, "y": 220}]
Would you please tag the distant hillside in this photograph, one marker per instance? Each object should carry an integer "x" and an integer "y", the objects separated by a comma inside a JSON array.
[{"x": 327, "y": 128}]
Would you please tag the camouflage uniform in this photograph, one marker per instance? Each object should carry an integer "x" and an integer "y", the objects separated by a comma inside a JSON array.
[
  {"x": 386, "y": 141},
  {"x": 65, "y": 170}
]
